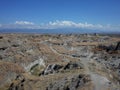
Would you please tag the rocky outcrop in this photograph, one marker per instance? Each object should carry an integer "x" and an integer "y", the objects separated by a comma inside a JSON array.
[
  {"x": 70, "y": 83},
  {"x": 74, "y": 65},
  {"x": 109, "y": 58},
  {"x": 39, "y": 62},
  {"x": 8, "y": 72},
  {"x": 53, "y": 68},
  {"x": 18, "y": 84}
]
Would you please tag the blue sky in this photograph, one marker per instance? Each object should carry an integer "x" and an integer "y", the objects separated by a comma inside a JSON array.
[{"x": 55, "y": 13}]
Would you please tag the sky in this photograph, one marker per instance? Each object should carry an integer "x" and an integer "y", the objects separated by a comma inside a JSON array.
[{"x": 93, "y": 14}]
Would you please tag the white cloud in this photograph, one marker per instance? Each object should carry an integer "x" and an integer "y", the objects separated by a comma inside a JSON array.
[
  {"x": 20, "y": 25},
  {"x": 62, "y": 23},
  {"x": 59, "y": 24},
  {"x": 71, "y": 24},
  {"x": 24, "y": 23}
]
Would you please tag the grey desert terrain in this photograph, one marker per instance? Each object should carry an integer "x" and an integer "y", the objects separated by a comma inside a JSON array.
[{"x": 59, "y": 62}]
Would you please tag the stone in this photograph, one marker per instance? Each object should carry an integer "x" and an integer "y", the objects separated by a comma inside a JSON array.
[
  {"x": 74, "y": 65},
  {"x": 51, "y": 69}
]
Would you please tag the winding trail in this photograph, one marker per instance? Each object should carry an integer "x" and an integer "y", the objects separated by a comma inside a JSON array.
[
  {"x": 100, "y": 82},
  {"x": 55, "y": 51}
]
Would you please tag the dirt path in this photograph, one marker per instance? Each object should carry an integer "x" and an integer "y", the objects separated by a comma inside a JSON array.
[
  {"x": 55, "y": 51},
  {"x": 100, "y": 82}
]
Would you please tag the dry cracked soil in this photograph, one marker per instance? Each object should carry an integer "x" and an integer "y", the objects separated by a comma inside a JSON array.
[{"x": 59, "y": 62}]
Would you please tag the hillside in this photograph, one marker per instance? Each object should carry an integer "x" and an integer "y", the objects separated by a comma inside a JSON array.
[{"x": 59, "y": 62}]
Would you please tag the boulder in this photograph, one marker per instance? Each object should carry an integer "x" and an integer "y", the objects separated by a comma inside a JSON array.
[
  {"x": 74, "y": 65},
  {"x": 51, "y": 69}
]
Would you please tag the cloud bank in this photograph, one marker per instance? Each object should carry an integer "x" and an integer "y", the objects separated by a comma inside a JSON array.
[
  {"x": 58, "y": 24},
  {"x": 79, "y": 25},
  {"x": 20, "y": 25},
  {"x": 24, "y": 23},
  {"x": 71, "y": 24}
]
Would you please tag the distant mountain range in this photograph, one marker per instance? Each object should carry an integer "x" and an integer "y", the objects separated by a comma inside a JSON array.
[{"x": 57, "y": 31}]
